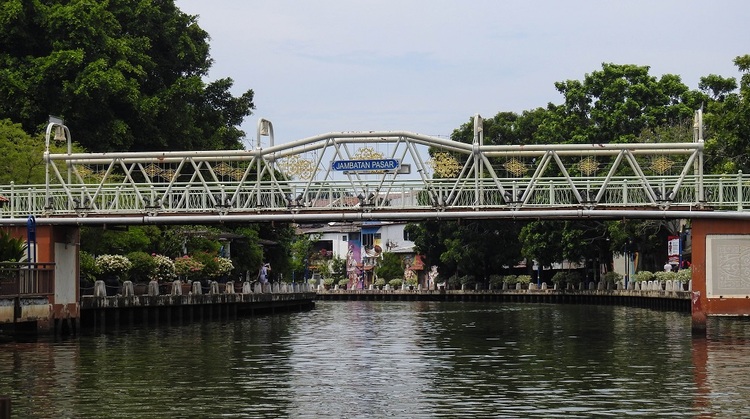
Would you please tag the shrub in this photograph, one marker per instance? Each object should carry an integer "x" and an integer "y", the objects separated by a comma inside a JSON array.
[
  {"x": 116, "y": 265},
  {"x": 685, "y": 275},
  {"x": 164, "y": 270},
  {"x": 454, "y": 281},
  {"x": 496, "y": 280},
  {"x": 524, "y": 279},
  {"x": 467, "y": 280},
  {"x": 510, "y": 279},
  {"x": 88, "y": 267},
  {"x": 412, "y": 281},
  {"x": 11, "y": 249},
  {"x": 328, "y": 282},
  {"x": 396, "y": 282},
  {"x": 143, "y": 266},
  {"x": 380, "y": 282},
  {"x": 643, "y": 276},
  {"x": 188, "y": 267},
  {"x": 665, "y": 276},
  {"x": 559, "y": 277},
  {"x": 343, "y": 282},
  {"x": 612, "y": 276}
]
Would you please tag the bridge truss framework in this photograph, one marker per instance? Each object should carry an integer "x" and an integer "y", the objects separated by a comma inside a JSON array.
[{"x": 297, "y": 181}]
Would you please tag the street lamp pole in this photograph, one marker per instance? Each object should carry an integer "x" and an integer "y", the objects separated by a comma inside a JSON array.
[
  {"x": 264, "y": 128},
  {"x": 61, "y": 134}
]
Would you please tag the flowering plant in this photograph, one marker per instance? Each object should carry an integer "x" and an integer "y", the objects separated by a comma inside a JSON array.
[
  {"x": 113, "y": 264},
  {"x": 223, "y": 266},
  {"x": 165, "y": 269},
  {"x": 187, "y": 266}
]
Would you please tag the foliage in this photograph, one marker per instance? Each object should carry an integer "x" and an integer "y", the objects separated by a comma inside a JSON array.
[
  {"x": 11, "y": 249},
  {"x": 727, "y": 120},
  {"x": 213, "y": 266},
  {"x": 390, "y": 266},
  {"x": 566, "y": 277},
  {"x": 21, "y": 155},
  {"x": 412, "y": 281},
  {"x": 87, "y": 266},
  {"x": 126, "y": 77},
  {"x": 496, "y": 280},
  {"x": 684, "y": 275},
  {"x": 143, "y": 266},
  {"x": 343, "y": 282},
  {"x": 467, "y": 280},
  {"x": 643, "y": 276},
  {"x": 396, "y": 283},
  {"x": 523, "y": 279},
  {"x": 105, "y": 241},
  {"x": 188, "y": 267},
  {"x": 662, "y": 276},
  {"x": 510, "y": 279},
  {"x": 380, "y": 282},
  {"x": 478, "y": 247},
  {"x": 612, "y": 276},
  {"x": 328, "y": 282},
  {"x": 117, "y": 265},
  {"x": 302, "y": 252},
  {"x": 164, "y": 269},
  {"x": 338, "y": 268}
]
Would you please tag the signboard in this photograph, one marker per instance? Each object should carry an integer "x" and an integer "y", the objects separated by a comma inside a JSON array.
[
  {"x": 366, "y": 166},
  {"x": 673, "y": 249}
]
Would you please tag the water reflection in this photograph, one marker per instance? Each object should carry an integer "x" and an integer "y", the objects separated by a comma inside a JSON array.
[{"x": 393, "y": 359}]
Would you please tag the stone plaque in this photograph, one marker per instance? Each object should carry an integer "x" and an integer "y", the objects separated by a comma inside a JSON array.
[{"x": 727, "y": 266}]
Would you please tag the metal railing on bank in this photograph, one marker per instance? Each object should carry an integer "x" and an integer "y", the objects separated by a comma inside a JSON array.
[{"x": 21, "y": 279}]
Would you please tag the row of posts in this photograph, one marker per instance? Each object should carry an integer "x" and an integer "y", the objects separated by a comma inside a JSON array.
[{"x": 196, "y": 288}]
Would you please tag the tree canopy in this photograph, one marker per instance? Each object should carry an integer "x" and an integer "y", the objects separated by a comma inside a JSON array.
[
  {"x": 618, "y": 103},
  {"x": 128, "y": 75}
]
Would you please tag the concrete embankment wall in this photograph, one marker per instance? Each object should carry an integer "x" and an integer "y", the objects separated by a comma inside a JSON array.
[
  {"x": 106, "y": 313},
  {"x": 659, "y": 300}
]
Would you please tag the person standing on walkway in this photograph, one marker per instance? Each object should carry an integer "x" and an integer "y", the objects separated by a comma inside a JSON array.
[{"x": 667, "y": 267}]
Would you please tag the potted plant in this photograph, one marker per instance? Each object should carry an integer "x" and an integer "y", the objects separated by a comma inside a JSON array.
[
  {"x": 164, "y": 270},
  {"x": 343, "y": 283},
  {"x": 112, "y": 269},
  {"x": 188, "y": 268},
  {"x": 510, "y": 280},
  {"x": 379, "y": 283},
  {"x": 327, "y": 283},
  {"x": 524, "y": 280},
  {"x": 411, "y": 282},
  {"x": 396, "y": 283}
]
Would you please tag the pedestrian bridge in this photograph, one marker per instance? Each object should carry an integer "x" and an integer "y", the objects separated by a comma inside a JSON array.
[{"x": 384, "y": 175}]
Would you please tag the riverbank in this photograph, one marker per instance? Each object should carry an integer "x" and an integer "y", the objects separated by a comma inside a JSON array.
[{"x": 654, "y": 299}]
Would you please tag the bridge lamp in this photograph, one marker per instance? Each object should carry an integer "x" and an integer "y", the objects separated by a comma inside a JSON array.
[{"x": 61, "y": 134}]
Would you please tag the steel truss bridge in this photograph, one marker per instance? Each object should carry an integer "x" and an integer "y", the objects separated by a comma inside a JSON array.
[{"x": 297, "y": 181}]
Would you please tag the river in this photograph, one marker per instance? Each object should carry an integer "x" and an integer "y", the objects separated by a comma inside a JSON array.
[{"x": 393, "y": 359}]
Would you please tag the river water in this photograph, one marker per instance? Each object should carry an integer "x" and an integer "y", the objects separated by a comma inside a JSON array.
[{"x": 393, "y": 359}]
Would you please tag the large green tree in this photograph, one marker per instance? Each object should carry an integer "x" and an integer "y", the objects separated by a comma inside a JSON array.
[
  {"x": 124, "y": 74},
  {"x": 727, "y": 120}
]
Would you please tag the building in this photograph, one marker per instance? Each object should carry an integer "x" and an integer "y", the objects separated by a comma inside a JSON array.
[{"x": 362, "y": 245}]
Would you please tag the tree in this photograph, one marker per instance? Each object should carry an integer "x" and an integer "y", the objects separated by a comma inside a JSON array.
[
  {"x": 616, "y": 103},
  {"x": 728, "y": 122},
  {"x": 478, "y": 247},
  {"x": 125, "y": 75},
  {"x": 22, "y": 155}
]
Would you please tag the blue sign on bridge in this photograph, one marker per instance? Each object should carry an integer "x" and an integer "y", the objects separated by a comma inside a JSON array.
[{"x": 366, "y": 165}]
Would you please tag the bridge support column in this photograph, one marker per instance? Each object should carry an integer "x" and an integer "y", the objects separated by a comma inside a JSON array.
[{"x": 719, "y": 287}]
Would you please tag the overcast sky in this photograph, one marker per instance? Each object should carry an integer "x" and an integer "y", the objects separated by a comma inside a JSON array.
[{"x": 427, "y": 66}]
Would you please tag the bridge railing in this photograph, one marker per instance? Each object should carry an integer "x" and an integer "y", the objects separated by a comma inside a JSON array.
[{"x": 724, "y": 192}]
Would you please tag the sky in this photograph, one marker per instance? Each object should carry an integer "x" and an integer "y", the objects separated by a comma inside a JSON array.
[{"x": 428, "y": 66}]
